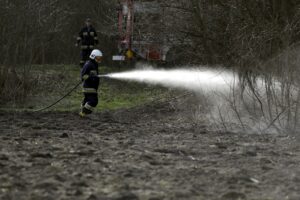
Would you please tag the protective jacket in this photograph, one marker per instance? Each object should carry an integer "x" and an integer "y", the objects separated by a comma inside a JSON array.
[
  {"x": 89, "y": 76},
  {"x": 87, "y": 37}
]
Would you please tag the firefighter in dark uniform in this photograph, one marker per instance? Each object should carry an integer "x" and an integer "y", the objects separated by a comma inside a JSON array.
[
  {"x": 89, "y": 76},
  {"x": 88, "y": 39}
]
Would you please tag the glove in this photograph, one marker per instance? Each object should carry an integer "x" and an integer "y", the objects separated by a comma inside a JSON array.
[{"x": 84, "y": 77}]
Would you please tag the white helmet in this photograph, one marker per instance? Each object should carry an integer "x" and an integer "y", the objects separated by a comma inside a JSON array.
[{"x": 96, "y": 53}]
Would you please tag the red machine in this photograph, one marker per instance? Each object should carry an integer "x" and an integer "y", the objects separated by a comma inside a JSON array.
[{"x": 129, "y": 48}]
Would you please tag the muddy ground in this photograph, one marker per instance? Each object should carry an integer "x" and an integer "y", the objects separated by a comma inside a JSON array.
[{"x": 150, "y": 152}]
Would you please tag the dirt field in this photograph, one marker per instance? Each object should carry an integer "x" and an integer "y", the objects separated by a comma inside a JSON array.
[{"x": 149, "y": 152}]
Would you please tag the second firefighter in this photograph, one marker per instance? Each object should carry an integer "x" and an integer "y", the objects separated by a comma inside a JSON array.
[{"x": 88, "y": 39}]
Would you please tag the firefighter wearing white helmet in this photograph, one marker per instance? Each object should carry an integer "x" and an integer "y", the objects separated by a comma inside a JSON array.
[{"x": 89, "y": 76}]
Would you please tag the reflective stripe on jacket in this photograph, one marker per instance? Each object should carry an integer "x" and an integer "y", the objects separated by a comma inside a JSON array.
[
  {"x": 88, "y": 37},
  {"x": 89, "y": 90}
]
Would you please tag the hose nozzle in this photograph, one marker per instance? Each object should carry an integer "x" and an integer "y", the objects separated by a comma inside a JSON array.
[{"x": 102, "y": 75}]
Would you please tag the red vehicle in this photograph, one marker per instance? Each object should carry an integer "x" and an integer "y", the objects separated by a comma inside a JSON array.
[{"x": 129, "y": 46}]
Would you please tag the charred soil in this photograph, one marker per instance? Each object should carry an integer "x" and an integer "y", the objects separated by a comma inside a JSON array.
[{"x": 150, "y": 152}]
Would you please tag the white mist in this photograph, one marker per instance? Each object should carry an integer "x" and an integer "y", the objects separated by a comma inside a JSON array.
[
  {"x": 189, "y": 79},
  {"x": 229, "y": 107}
]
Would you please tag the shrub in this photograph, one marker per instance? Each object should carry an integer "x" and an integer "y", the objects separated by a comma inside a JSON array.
[{"x": 14, "y": 87}]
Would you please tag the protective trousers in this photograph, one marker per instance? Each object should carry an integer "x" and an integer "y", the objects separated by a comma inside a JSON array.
[{"x": 89, "y": 102}]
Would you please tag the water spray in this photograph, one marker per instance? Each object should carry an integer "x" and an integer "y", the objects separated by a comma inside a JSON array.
[
  {"x": 190, "y": 79},
  {"x": 219, "y": 87}
]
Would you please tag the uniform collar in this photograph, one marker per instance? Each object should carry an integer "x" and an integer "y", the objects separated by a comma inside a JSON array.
[{"x": 93, "y": 61}]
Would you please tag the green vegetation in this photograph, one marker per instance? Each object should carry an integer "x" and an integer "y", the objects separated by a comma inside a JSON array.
[{"x": 48, "y": 83}]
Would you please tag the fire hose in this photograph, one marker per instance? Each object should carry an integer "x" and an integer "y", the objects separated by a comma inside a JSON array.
[{"x": 67, "y": 94}]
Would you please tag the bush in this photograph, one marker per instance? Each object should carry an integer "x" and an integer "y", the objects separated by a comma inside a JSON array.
[{"x": 14, "y": 87}]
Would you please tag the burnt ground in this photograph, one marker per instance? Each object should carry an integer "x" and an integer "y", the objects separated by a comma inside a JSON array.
[{"x": 149, "y": 152}]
